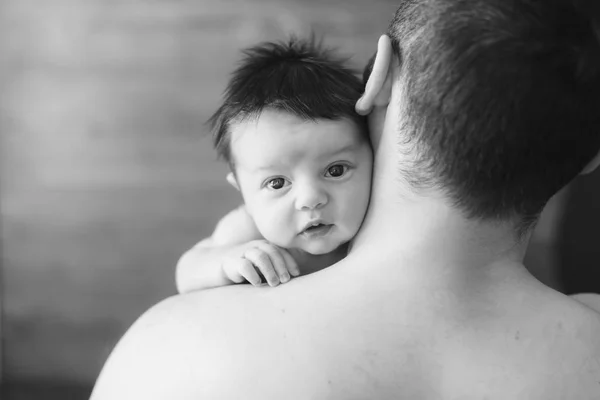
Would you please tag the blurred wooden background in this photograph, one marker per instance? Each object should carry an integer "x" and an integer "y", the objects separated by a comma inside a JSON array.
[{"x": 106, "y": 177}]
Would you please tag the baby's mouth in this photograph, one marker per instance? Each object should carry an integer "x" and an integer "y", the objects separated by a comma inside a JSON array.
[{"x": 317, "y": 230}]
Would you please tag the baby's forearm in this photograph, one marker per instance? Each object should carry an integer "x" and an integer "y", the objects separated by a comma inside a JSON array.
[{"x": 202, "y": 268}]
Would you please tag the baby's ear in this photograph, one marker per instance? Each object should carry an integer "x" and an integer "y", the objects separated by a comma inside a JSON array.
[
  {"x": 378, "y": 89},
  {"x": 232, "y": 181}
]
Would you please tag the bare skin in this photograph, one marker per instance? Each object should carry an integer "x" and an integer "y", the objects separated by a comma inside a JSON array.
[
  {"x": 427, "y": 305},
  {"x": 508, "y": 336}
]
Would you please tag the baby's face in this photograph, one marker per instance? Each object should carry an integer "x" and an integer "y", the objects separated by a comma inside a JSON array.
[{"x": 306, "y": 184}]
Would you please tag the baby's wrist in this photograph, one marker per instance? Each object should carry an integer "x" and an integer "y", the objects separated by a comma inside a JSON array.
[{"x": 224, "y": 276}]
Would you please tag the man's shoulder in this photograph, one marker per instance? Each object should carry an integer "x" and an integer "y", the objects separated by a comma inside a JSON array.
[
  {"x": 590, "y": 300},
  {"x": 174, "y": 345},
  {"x": 576, "y": 351},
  {"x": 572, "y": 335},
  {"x": 573, "y": 317},
  {"x": 543, "y": 344},
  {"x": 580, "y": 313}
]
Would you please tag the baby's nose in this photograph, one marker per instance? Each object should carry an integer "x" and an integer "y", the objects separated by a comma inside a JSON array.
[{"x": 310, "y": 198}]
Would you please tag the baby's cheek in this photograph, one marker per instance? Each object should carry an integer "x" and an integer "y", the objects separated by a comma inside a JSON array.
[
  {"x": 274, "y": 228},
  {"x": 356, "y": 208}
]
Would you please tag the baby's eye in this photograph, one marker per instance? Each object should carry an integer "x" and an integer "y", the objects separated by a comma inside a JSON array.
[
  {"x": 335, "y": 171},
  {"x": 276, "y": 183}
]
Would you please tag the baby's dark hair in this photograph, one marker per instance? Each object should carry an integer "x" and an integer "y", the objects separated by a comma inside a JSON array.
[
  {"x": 502, "y": 99},
  {"x": 299, "y": 76}
]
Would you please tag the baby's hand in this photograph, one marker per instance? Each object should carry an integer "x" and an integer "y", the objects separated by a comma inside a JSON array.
[{"x": 273, "y": 262}]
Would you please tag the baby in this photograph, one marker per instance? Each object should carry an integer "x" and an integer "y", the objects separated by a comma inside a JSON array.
[{"x": 301, "y": 158}]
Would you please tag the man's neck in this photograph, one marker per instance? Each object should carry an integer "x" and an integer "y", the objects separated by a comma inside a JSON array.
[
  {"x": 420, "y": 234},
  {"x": 424, "y": 238}
]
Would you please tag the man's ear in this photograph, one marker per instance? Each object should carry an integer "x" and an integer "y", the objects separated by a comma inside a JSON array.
[
  {"x": 592, "y": 165},
  {"x": 232, "y": 181},
  {"x": 378, "y": 89}
]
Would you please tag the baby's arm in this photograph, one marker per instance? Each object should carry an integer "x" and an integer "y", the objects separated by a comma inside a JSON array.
[{"x": 233, "y": 254}]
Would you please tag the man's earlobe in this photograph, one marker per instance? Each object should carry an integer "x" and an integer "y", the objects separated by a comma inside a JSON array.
[
  {"x": 378, "y": 89},
  {"x": 592, "y": 165},
  {"x": 232, "y": 181}
]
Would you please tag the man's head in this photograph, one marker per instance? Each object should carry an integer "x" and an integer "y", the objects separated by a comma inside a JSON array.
[
  {"x": 299, "y": 153},
  {"x": 500, "y": 100}
]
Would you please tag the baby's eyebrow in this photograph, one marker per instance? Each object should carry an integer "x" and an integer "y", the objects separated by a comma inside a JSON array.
[
  {"x": 264, "y": 168},
  {"x": 348, "y": 147},
  {"x": 270, "y": 167}
]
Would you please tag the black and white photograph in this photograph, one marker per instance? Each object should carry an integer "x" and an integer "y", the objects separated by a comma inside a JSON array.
[{"x": 299, "y": 199}]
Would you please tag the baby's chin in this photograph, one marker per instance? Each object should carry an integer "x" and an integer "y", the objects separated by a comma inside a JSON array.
[
  {"x": 318, "y": 249},
  {"x": 315, "y": 249}
]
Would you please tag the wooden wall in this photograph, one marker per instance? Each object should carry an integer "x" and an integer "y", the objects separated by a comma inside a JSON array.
[{"x": 105, "y": 175}]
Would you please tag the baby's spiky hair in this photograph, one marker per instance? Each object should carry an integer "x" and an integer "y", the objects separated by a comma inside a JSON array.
[{"x": 298, "y": 76}]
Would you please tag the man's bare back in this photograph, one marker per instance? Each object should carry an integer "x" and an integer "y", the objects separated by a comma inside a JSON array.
[
  {"x": 432, "y": 301},
  {"x": 518, "y": 340}
]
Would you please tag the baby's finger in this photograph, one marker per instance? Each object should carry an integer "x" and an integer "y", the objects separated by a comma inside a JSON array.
[
  {"x": 277, "y": 261},
  {"x": 262, "y": 261},
  {"x": 291, "y": 264},
  {"x": 247, "y": 270}
]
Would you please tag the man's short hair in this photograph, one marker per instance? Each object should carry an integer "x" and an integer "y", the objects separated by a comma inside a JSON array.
[
  {"x": 501, "y": 98},
  {"x": 299, "y": 76}
]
